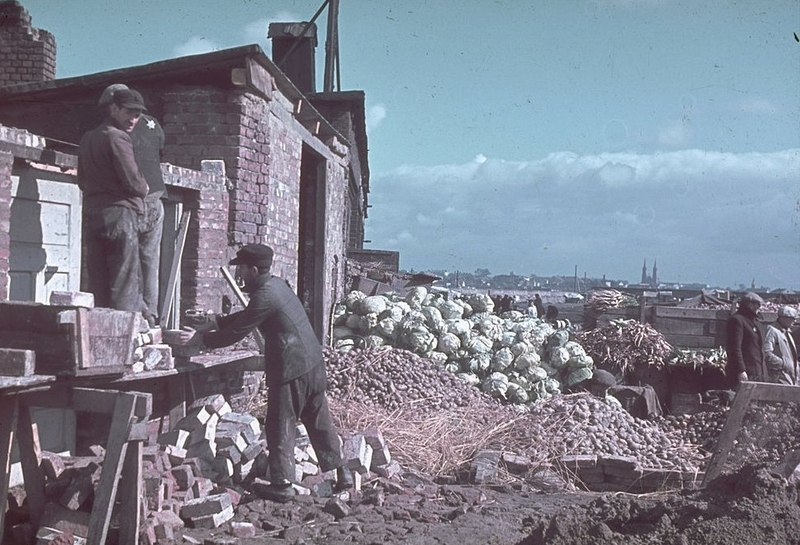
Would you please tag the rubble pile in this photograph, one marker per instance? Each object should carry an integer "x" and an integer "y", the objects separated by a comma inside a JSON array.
[{"x": 515, "y": 357}]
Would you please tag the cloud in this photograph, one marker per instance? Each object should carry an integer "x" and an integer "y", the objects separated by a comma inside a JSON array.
[
  {"x": 195, "y": 45},
  {"x": 711, "y": 217},
  {"x": 375, "y": 115},
  {"x": 757, "y": 106},
  {"x": 675, "y": 135}
]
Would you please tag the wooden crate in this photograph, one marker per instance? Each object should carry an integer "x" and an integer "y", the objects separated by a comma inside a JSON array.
[{"x": 69, "y": 340}]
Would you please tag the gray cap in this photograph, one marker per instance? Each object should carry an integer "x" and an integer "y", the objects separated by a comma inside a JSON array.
[
  {"x": 786, "y": 310},
  {"x": 108, "y": 93},
  {"x": 753, "y": 297}
]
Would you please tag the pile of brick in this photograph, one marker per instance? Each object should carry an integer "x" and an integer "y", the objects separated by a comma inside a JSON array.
[
  {"x": 195, "y": 475},
  {"x": 150, "y": 353}
]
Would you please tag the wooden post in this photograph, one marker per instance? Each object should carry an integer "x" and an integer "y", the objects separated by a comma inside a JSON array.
[
  {"x": 116, "y": 450},
  {"x": 29, "y": 459},
  {"x": 130, "y": 513},
  {"x": 9, "y": 407}
]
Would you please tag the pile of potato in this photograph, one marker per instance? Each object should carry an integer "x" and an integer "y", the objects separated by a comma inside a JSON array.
[{"x": 393, "y": 377}]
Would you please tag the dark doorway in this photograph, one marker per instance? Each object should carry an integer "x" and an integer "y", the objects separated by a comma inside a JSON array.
[{"x": 311, "y": 253}]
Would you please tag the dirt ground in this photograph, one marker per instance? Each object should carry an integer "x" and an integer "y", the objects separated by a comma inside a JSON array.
[{"x": 746, "y": 507}]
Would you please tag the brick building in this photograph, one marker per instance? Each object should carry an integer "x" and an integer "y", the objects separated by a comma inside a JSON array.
[{"x": 254, "y": 155}]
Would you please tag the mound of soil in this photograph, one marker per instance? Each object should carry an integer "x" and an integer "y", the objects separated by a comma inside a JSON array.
[{"x": 751, "y": 506}]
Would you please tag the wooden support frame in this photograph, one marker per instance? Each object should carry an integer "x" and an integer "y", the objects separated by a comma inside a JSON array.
[
  {"x": 130, "y": 412},
  {"x": 746, "y": 394}
]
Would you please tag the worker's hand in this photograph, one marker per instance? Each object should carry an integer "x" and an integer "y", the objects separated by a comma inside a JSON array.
[
  {"x": 190, "y": 336},
  {"x": 209, "y": 325},
  {"x": 742, "y": 377}
]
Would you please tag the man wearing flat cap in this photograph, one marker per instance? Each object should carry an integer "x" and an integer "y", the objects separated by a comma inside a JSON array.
[
  {"x": 780, "y": 350},
  {"x": 113, "y": 200},
  {"x": 148, "y": 142},
  {"x": 295, "y": 369},
  {"x": 745, "y": 342}
]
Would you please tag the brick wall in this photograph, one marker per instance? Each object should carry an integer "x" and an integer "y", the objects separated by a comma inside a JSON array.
[{"x": 27, "y": 54}]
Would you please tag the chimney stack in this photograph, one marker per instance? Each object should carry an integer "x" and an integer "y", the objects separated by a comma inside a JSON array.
[
  {"x": 27, "y": 54},
  {"x": 293, "y": 52}
]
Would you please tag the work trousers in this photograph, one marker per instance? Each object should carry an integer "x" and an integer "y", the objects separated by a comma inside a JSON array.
[
  {"x": 151, "y": 227},
  {"x": 302, "y": 398},
  {"x": 112, "y": 257}
]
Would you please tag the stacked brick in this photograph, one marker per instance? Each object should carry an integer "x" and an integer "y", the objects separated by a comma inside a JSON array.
[{"x": 27, "y": 54}]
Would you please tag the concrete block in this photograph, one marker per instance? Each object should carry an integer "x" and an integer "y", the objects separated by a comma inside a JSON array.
[
  {"x": 17, "y": 363},
  {"x": 72, "y": 299}
]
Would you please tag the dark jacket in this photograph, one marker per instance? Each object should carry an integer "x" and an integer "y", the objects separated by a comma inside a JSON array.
[
  {"x": 107, "y": 170},
  {"x": 291, "y": 349},
  {"x": 744, "y": 346},
  {"x": 148, "y": 141}
]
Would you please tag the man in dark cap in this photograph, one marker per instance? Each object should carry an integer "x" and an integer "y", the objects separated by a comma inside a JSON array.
[
  {"x": 744, "y": 343},
  {"x": 113, "y": 200},
  {"x": 148, "y": 141},
  {"x": 295, "y": 369}
]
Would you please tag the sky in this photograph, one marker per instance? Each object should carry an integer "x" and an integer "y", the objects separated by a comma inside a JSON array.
[{"x": 536, "y": 136}]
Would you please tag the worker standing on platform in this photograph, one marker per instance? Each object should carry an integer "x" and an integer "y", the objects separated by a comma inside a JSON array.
[
  {"x": 113, "y": 201},
  {"x": 295, "y": 368},
  {"x": 148, "y": 141}
]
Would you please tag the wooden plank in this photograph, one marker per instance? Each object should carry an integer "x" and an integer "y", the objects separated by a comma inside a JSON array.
[
  {"x": 89, "y": 400},
  {"x": 682, "y": 327},
  {"x": 131, "y": 495},
  {"x": 169, "y": 293},
  {"x": 116, "y": 451},
  {"x": 694, "y": 313},
  {"x": 691, "y": 341},
  {"x": 735, "y": 416},
  {"x": 105, "y": 401},
  {"x": 9, "y": 407},
  {"x": 176, "y": 394},
  {"x": 29, "y": 460},
  {"x": 780, "y": 393}
]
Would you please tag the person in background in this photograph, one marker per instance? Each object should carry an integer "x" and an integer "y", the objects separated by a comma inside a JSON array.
[
  {"x": 295, "y": 369},
  {"x": 148, "y": 141},
  {"x": 780, "y": 350},
  {"x": 113, "y": 200},
  {"x": 537, "y": 302},
  {"x": 745, "y": 342}
]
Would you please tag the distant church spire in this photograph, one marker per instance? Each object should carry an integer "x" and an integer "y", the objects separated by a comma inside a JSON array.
[
  {"x": 644, "y": 272},
  {"x": 655, "y": 274}
]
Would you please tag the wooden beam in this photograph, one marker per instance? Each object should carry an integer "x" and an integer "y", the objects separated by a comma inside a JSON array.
[
  {"x": 28, "y": 442},
  {"x": 9, "y": 408},
  {"x": 131, "y": 495},
  {"x": 116, "y": 452},
  {"x": 169, "y": 294},
  {"x": 88, "y": 400}
]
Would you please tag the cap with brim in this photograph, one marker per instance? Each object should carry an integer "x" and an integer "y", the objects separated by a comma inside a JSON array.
[
  {"x": 125, "y": 98},
  {"x": 108, "y": 93},
  {"x": 787, "y": 311},
  {"x": 752, "y": 297},
  {"x": 255, "y": 255}
]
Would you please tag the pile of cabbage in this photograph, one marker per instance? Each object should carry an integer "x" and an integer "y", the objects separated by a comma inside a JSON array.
[{"x": 516, "y": 357}]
